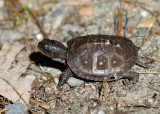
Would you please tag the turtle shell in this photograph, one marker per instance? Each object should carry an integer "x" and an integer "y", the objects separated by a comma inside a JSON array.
[{"x": 97, "y": 57}]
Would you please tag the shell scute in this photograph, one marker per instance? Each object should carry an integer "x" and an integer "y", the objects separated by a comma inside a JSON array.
[{"x": 96, "y": 57}]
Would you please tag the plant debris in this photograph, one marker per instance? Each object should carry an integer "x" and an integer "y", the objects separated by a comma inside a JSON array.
[{"x": 10, "y": 79}]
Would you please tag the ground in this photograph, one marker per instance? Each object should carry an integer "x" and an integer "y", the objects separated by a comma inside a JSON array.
[{"x": 35, "y": 76}]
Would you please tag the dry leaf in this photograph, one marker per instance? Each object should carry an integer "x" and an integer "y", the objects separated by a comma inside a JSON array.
[
  {"x": 86, "y": 11},
  {"x": 76, "y": 2},
  {"x": 12, "y": 75},
  {"x": 8, "y": 53},
  {"x": 158, "y": 33},
  {"x": 146, "y": 23}
]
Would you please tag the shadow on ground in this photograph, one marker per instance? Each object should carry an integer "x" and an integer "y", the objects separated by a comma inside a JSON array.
[{"x": 42, "y": 60}]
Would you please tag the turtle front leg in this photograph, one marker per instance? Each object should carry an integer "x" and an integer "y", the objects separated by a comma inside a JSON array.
[
  {"x": 64, "y": 77},
  {"x": 132, "y": 77}
]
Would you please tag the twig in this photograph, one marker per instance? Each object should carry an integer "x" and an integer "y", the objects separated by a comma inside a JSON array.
[
  {"x": 38, "y": 23},
  {"x": 109, "y": 104},
  {"x": 130, "y": 18},
  {"x": 149, "y": 36},
  {"x": 149, "y": 72},
  {"x": 48, "y": 75},
  {"x": 18, "y": 5},
  {"x": 153, "y": 51},
  {"x": 158, "y": 32},
  {"x": 119, "y": 25},
  {"x": 3, "y": 110},
  {"x": 154, "y": 89},
  {"x": 141, "y": 105},
  {"x": 139, "y": 5},
  {"x": 152, "y": 58},
  {"x": 112, "y": 100},
  {"x": 114, "y": 85}
]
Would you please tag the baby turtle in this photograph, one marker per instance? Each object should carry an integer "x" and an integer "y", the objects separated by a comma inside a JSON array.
[{"x": 94, "y": 57}]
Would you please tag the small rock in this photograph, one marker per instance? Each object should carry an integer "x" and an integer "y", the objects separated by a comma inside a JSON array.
[
  {"x": 111, "y": 108},
  {"x": 45, "y": 105},
  {"x": 39, "y": 37},
  {"x": 75, "y": 109},
  {"x": 150, "y": 100},
  {"x": 74, "y": 82},
  {"x": 144, "y": 13},
  {"x": 93, "y": 87},
  {"x": 101, "y": 112},
  {"x": 56, "y": 81},
  {"x": 17, "y": 108},
  {"x": 48, "y": 90},
  {"x": 53, "y": 104},
  {"x": 76, "y": 94},
  {"x": 44, "y": 78},
  {"x": 66, "y": 87}
]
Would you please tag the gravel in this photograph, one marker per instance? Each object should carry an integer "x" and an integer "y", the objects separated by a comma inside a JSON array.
[{"x": 61, "y": 23}]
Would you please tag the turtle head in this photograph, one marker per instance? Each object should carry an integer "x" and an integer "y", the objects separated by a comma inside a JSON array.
[{"x": 52, "y": 49}]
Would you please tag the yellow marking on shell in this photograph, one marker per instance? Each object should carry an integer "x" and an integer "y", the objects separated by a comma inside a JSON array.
[
  {"x": 100, "y": 63},
  {"x": 107, "y": 42},
  {"x": 118, "y": 45},
  {"x": 114, "y": 62},
  {"x": 95, "y": 41},
  {"x": 85, "y": 62}
]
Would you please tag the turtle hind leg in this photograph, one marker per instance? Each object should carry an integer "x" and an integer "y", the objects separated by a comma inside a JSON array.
[
  {"x": 64, "y": 77},
  {"x": 132, "y": 77}
]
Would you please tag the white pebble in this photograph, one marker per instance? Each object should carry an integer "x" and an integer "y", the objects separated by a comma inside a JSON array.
[
  {"x": 144, "y": 13},
  {"x": 39, "y": 36},
  {"x": 101, "y": 112},
  {"x": 150, "y": 100}
]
